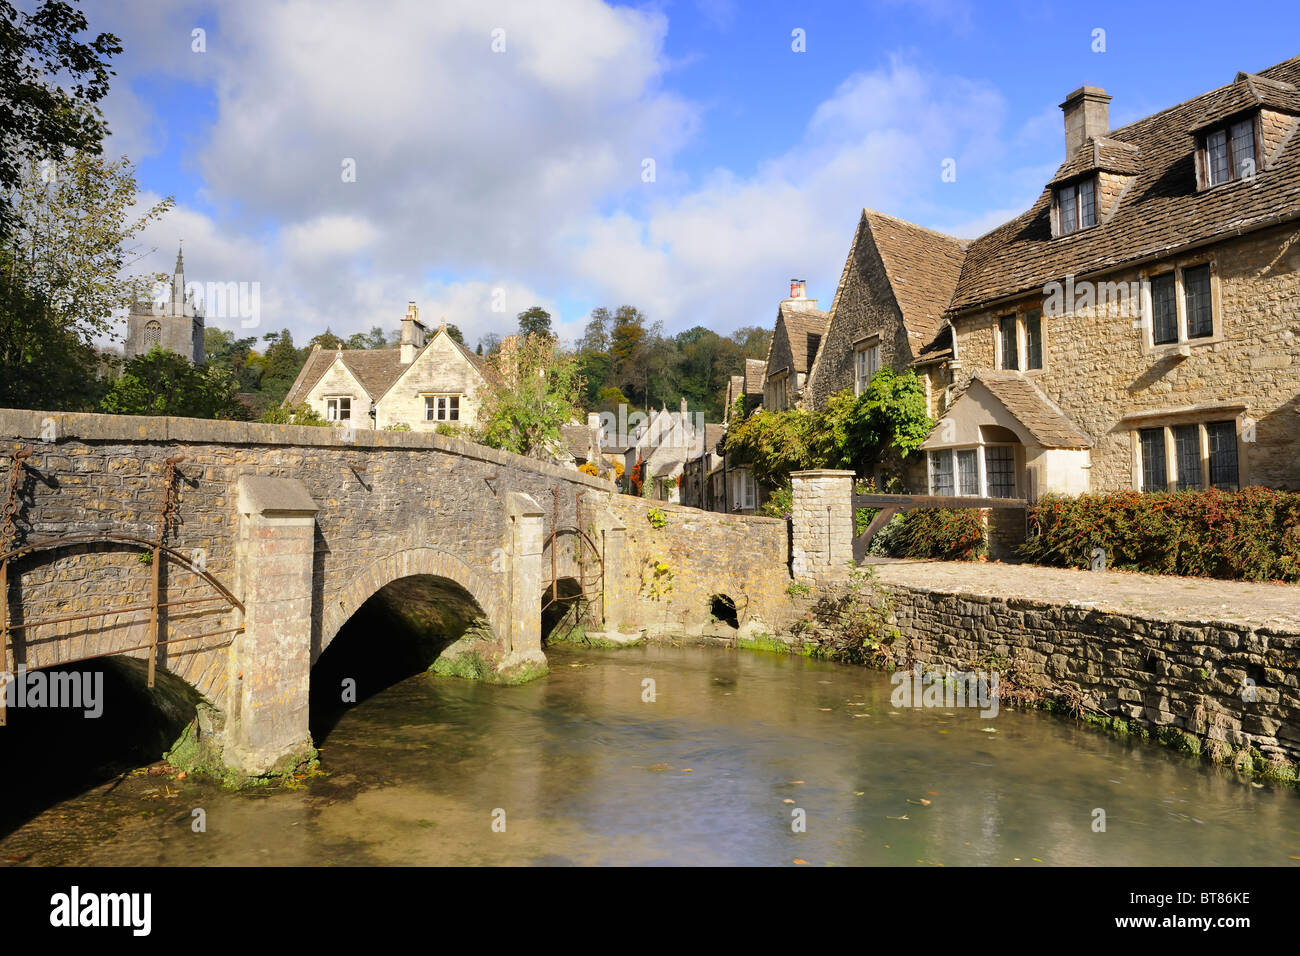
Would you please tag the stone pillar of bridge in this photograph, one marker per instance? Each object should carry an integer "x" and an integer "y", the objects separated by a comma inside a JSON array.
[
  {"x": 522, "y": 641},
  {"x": 822, "y": 518},
  {"x": 267, "y": 709}
]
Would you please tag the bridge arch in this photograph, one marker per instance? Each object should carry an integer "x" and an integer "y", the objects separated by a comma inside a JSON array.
[{"x": 407, "y": 563}]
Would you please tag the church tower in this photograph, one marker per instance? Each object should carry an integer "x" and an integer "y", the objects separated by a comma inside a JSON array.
[{"x": 173, "y": 320}]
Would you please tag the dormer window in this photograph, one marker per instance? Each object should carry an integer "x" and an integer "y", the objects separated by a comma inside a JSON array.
[
  {"x": 1076, "y": 206},
  {"x": 1229, "y": 152}
]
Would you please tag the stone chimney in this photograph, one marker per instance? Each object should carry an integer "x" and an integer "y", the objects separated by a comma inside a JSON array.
[
  {"x": 799, "y": 300},
  {"x": 1087, "y": 115},
  {"x": 412, "y": 333}
]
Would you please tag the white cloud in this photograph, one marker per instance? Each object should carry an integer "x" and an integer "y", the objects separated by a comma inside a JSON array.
[{"x": 519, "y": 171}]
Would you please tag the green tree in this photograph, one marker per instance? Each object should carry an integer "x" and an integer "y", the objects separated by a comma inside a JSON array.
[
  {"x": 535, "y": 321},
  {"x": 65, "y": 270},
  {"x": 221, "y": 348},
  {"x": 489, "y": 344},
  {"x": 44, "y": 364},
  {"x": 326, "y": 340},
  {"x": 280, "y": 364},
  {"x": 51, "y": 79},
  {"x": 374, "y": 339},
  {"x": 455, "y": 334},
  {"x": 164, "y": 383},
  {"x": 534, "y": 389}
]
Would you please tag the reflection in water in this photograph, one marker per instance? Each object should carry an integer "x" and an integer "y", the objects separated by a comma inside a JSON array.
[{"x": 710, "y": 772}]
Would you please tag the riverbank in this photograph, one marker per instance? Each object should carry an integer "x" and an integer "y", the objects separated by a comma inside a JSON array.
[{"x": 1207, "y": 667}]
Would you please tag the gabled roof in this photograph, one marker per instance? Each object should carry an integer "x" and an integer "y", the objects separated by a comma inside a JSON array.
[
  {"x": 797, "y": 324},
  {"x": 755, "y": 370},
  {"x": 1038, "y": 413},
  {"x": 578, "y": 441},
  {"x": 1160, "y": 212},
  {"x": 1100, "y": 154},
  {"x": 377, "y": 370},
  {"x": 923, "y": 267}
]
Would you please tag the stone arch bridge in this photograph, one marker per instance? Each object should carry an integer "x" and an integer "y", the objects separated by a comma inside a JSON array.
[{"x": 229, "y": 554}]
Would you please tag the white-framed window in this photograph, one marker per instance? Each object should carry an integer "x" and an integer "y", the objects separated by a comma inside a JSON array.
[
  {"x": 866, "y": 363},
  {"x": 338, "y": 408},
  {"x": 1179, "y": 306},
  {"x": 1228, "y": 152},
  {"x": 1076, "y": 206},
  {"x": 986, "y": 471},
  {"x": 743, "y": 492},
  {"x": 1188, "y": 457},
  {"x": 1020, "y": 341},
  {"x": 442, "y": 408}
]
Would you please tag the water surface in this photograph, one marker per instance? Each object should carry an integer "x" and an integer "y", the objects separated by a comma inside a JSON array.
[{"x": 711, "y": 772}]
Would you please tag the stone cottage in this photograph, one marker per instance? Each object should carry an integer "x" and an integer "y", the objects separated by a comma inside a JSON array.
[
  {"x": 426, "y": 382},
  {"x": 1137, "y": 328},
  {"x": 888, "y": 309},
  {"x": 796, "y": 339}
]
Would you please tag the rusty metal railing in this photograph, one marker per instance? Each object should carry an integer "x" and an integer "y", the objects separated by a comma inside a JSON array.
[{"x": 159, "y": 552}]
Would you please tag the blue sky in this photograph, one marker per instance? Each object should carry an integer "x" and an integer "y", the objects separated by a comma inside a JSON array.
[{"x": 490, "y": 180}]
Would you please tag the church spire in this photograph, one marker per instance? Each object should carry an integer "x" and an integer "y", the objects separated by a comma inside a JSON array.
[{"x": 180, "y": 261}]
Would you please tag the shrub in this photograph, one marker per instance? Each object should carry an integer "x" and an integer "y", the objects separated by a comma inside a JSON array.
[
  {"x": 1252, "y": 534},
  {"x": 779, "y": 504},
  {"x": 587, "y": 468},
  {"x": 947, "y": 535},
  {"x": 300, "y": 414}
]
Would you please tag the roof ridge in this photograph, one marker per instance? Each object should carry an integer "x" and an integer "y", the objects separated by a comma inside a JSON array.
[{"x": 907, "y": 222}]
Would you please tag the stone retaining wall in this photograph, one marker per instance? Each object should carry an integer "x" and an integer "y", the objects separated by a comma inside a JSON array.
[
  {"x": 744, "y": 557},
  {"x": 1197, "y": 677}
]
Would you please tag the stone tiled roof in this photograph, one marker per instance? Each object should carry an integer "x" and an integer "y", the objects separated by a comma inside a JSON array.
[
  {"x": 755, "y": 369},
  {"x": 1038, "y": 413},
  {"x": 923, "y": 267},
  {"x": 799, "y": 324},
  {"x": 577, "y": 440},
  {"x": 1160, "y": 212},
  {"x": 1100, "y": 153},
  {"x": 713, "y": 434},
  {"x": 1252, "y": 90},
  {"x": 376, "y": 369}
]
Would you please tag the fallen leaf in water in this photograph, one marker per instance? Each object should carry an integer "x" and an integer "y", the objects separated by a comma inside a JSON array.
[
  {"x": 823, "y": 708},
  {"x": 801, "y": 862},
  {"x": 943, "y": 731},
  {"x": 859, "y": 793},
  {"x": 990, "y": 730},
  {"x": 787, "y": 801},
  {"x": 1036, "y": 859},
  {"x": 688, "y": 770},
  {"x": 661, "y": 766},
  {"x": 903, "y": 817},
  {"x": 1289, "y": 858},
  {"x": 932, "y": 793},
  {"x": 796, "y": 781},
  {"x": 859, "y": 715}
]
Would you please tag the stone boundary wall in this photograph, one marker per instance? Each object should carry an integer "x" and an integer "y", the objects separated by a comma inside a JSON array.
[
  {"x": 745, "y": 557},
  {"x": 1187, "y": 675}
]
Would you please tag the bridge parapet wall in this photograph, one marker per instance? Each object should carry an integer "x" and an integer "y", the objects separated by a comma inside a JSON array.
[{"x": 744, "y": 557}]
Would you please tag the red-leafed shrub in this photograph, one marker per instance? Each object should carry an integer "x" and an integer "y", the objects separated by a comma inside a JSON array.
[
  {"x": 948, "y": 535},
  {"x": 1252, "y": 534}
]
